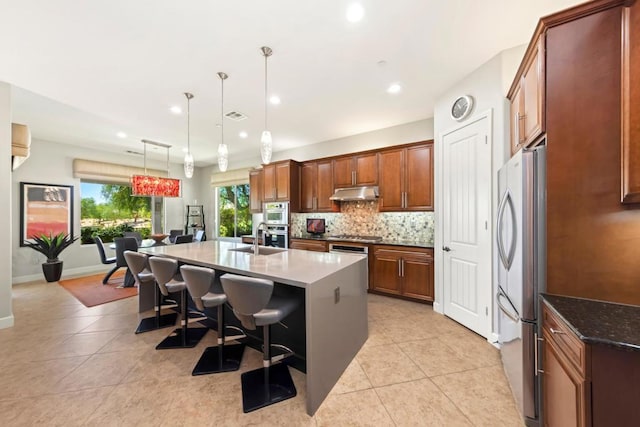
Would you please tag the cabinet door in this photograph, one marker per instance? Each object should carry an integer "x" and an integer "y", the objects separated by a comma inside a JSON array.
[
  {"x": 283, "y": 181},
  {"x": 517, "y": 112},
  {"x": 563, "y": 390},
  {"x": 630, "y": 104},
  {"x": 418, "y": 173},
  {"x": 391, "y": 182},
  {"x": 269, "y": 182},
  {"x": 255, "y": 191},
  {"x": 366, "y": 169},
  {"x": 324, "y": 187},
  {"x": 533, "y": 89},
  {"x": 309, "y": 179},
  {"x": 343, "y": 172},
  {"x": 417, "y": 275},
  {"x": 386, "y": 272}
]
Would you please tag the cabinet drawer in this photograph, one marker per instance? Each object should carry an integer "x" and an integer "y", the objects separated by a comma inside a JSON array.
[
  {"x": 308, "y": 245},
  {"x": 564, "y": 339}
]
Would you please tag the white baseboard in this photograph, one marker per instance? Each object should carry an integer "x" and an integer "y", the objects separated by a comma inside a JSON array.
[
  {"x": 437, "y": 307},
  {"x": 493, "y": 339},
  {"x": 66, "y": 273},
  {"x": 6, "y": 322}
]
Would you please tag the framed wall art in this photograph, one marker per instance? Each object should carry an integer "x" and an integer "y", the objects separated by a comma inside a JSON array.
[{"x": 45, "y": 209}]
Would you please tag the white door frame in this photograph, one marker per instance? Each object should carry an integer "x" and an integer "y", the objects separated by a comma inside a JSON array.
[{"x": 438, "y": 303}]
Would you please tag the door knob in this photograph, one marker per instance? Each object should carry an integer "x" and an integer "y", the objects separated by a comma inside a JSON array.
[{"x": 446, "y": 248}]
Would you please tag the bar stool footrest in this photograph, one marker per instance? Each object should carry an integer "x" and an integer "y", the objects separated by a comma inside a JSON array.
[
  {"x": 266, "y": 386},
  {"x": 150, "y": 323}
]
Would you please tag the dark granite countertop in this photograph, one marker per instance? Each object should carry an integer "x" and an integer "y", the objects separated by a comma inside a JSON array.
[
  {"x": 599, "y": 322},
  {"x": 393, "y": 242}
]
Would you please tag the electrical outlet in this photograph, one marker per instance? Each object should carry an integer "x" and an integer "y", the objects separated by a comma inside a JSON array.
[{"x": 336, "y": 295}]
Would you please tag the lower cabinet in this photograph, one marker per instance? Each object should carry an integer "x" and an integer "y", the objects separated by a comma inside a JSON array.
[
  {"x": 309, "y": 245},
  {"x": 402, "y": 271}
]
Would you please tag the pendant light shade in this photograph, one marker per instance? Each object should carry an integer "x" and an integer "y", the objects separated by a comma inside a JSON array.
[
  {"x": 188, "y": 158},
  {"x": 223, "y": 150},
  {"x": 266, "y": 143},
  {"x": 155, "y": 186}
]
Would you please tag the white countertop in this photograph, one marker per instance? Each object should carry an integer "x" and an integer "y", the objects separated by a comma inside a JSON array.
[{"x": 293, "y": 266}]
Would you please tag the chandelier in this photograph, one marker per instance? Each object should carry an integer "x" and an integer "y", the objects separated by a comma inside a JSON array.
[
  {"x": 155, "y": 186},
  {"x": 188, "y": 158},
  {"x": 266, "y": 143},
  {"x": 223, "y": 151}
]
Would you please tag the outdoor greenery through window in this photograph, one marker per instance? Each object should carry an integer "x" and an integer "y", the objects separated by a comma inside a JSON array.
[
  {"x": 234, "y": 216},
  {"x": 108, "y": 210}
]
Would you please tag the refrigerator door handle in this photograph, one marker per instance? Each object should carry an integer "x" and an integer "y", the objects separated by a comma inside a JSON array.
[
  {"x": 499, "y": 231},
  {"x": 501, "y": 294},
  {"x": 506, "y": 260},
  {"x": 514, "y": 230}
]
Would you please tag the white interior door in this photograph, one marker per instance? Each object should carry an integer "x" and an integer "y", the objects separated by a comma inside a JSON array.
[{"x": 466, "y": 219}]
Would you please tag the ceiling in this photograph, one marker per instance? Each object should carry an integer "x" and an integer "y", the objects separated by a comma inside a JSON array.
[{"x": 84, "y": 71}]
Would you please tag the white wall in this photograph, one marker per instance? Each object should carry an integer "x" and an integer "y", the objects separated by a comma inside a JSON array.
[
  {"x": 52, "y": 163},
  {"x": 488, "y": 85},
  {"x": 6, "y": 315}
]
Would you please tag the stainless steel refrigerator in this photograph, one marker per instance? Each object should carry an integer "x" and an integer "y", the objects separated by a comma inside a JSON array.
[{"x": 520, "y": 241}]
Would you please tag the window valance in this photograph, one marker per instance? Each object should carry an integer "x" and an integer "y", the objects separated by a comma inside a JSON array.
[
  {"x": 109, "y": 173},
  {"x": 232, "y": 177}
]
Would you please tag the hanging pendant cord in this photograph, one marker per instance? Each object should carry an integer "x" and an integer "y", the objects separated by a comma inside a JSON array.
[
  {"x": 188, "y": 125},
  {"x": 265, "y": 91},
  {"x": 145, "y": 158},
  {"x": 222, "y": 112}
]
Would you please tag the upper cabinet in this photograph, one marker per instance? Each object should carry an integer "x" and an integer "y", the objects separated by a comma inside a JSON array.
[
  {"x": 630, "y": 105},
  {"x": 355, "y": 170},
  {"x": 281, "y": 183},
  {"x": 406, "y": 178},
  {"x": 256, "y": 189},
  {"x": 527, "y": 98},
  {"x": 316, "y": 186}
]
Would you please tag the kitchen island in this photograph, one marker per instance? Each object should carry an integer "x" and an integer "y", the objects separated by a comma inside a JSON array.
[{"x": 334, "y": 288}]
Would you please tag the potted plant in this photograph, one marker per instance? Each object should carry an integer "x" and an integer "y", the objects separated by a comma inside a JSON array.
[{"x": 51, "y": 246}]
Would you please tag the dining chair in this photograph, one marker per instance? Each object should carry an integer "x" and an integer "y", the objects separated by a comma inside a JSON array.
[
  {"x": 136, "y": 235},
  {"x": 125, "y": 244},
  {"x": 175, "y": 233},
  {"x": 105, "y": 260},
  {"x": 185, "y": 238}
]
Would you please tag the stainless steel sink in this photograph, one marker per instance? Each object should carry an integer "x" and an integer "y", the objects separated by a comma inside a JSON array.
[{"x": 262, "y": 250}]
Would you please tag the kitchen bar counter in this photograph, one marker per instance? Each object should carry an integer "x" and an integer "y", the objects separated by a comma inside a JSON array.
[
  {"x": 393, "y": 242},
  {"x": 599, "y": 322},
  {"x": 335, "y": 300}
]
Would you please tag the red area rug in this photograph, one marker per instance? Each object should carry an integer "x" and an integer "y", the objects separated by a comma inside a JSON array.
[{"x": 90, "y": 291}]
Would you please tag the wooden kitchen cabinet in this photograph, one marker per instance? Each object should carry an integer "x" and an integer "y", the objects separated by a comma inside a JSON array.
[
  {"x": 356, "y": 170},
  {"x": 406, "y": 178},
  {"x": 281, "y": 183},
  {"x": 256, "y": 189},
  {"x": 630, "y": 106},
  {"x": 309, "y": 245},
  {"x": 403, "y": 271},
  {"x": 565, "y": 388},
  {"x": 527, "y": 98},
  {"x": 316, "y": 187}
]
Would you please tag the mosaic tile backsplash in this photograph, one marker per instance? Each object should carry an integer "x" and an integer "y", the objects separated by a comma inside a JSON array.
[{"x": 363, "y": 218}]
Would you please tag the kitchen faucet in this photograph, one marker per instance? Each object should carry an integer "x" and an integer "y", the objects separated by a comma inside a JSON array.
[{"x": 264, "y": 234}]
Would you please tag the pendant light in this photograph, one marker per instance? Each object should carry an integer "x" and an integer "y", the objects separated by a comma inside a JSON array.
[
  {"x": 188, "y": 158},
  {"x": 223, "y": 151},
  {"x": 266, "y": 144}
]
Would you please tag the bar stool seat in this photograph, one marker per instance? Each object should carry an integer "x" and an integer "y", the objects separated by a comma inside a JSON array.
[
  {"x": 165, "y": 271},
  {"x": 207, "y": 294},
  {"x": 137, "y": 264},
  {"x": 255, "y": 305}
]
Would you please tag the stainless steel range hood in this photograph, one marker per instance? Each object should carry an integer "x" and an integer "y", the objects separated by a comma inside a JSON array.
[{"x": 355, "y": 193}]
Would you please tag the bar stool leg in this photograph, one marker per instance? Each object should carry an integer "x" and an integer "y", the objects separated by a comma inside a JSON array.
[
  {"x": 183, "y": 337},
  {"x": 159, "y": 321}
]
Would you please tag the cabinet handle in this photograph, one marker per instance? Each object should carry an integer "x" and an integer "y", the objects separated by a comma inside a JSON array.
[
  {"x": 353, "y": 177},
  {"x": 537, "y": 341},
  {"x": 400, "y": 267},
  {"x": 405, "y": 200},
  {"x": 315, "y": 203},
  {"x": 556, "y": 331}
]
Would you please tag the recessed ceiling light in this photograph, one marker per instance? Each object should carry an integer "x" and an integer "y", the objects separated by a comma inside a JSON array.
[
  {"x": 121, "y": 135},
  {"x": 275, "y": 100},
  {"x": 176, "y": 109},
  {"x": 243, "y": 134},
  {"x": 355, "y": 12},
  {"x": 394, "y": 88}
]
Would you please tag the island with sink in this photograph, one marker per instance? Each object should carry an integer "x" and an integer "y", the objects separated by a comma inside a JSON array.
[{"x": 330, "y": 325}]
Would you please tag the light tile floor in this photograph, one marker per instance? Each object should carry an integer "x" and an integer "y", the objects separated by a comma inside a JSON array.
[{"x": 65, "y": 364}]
